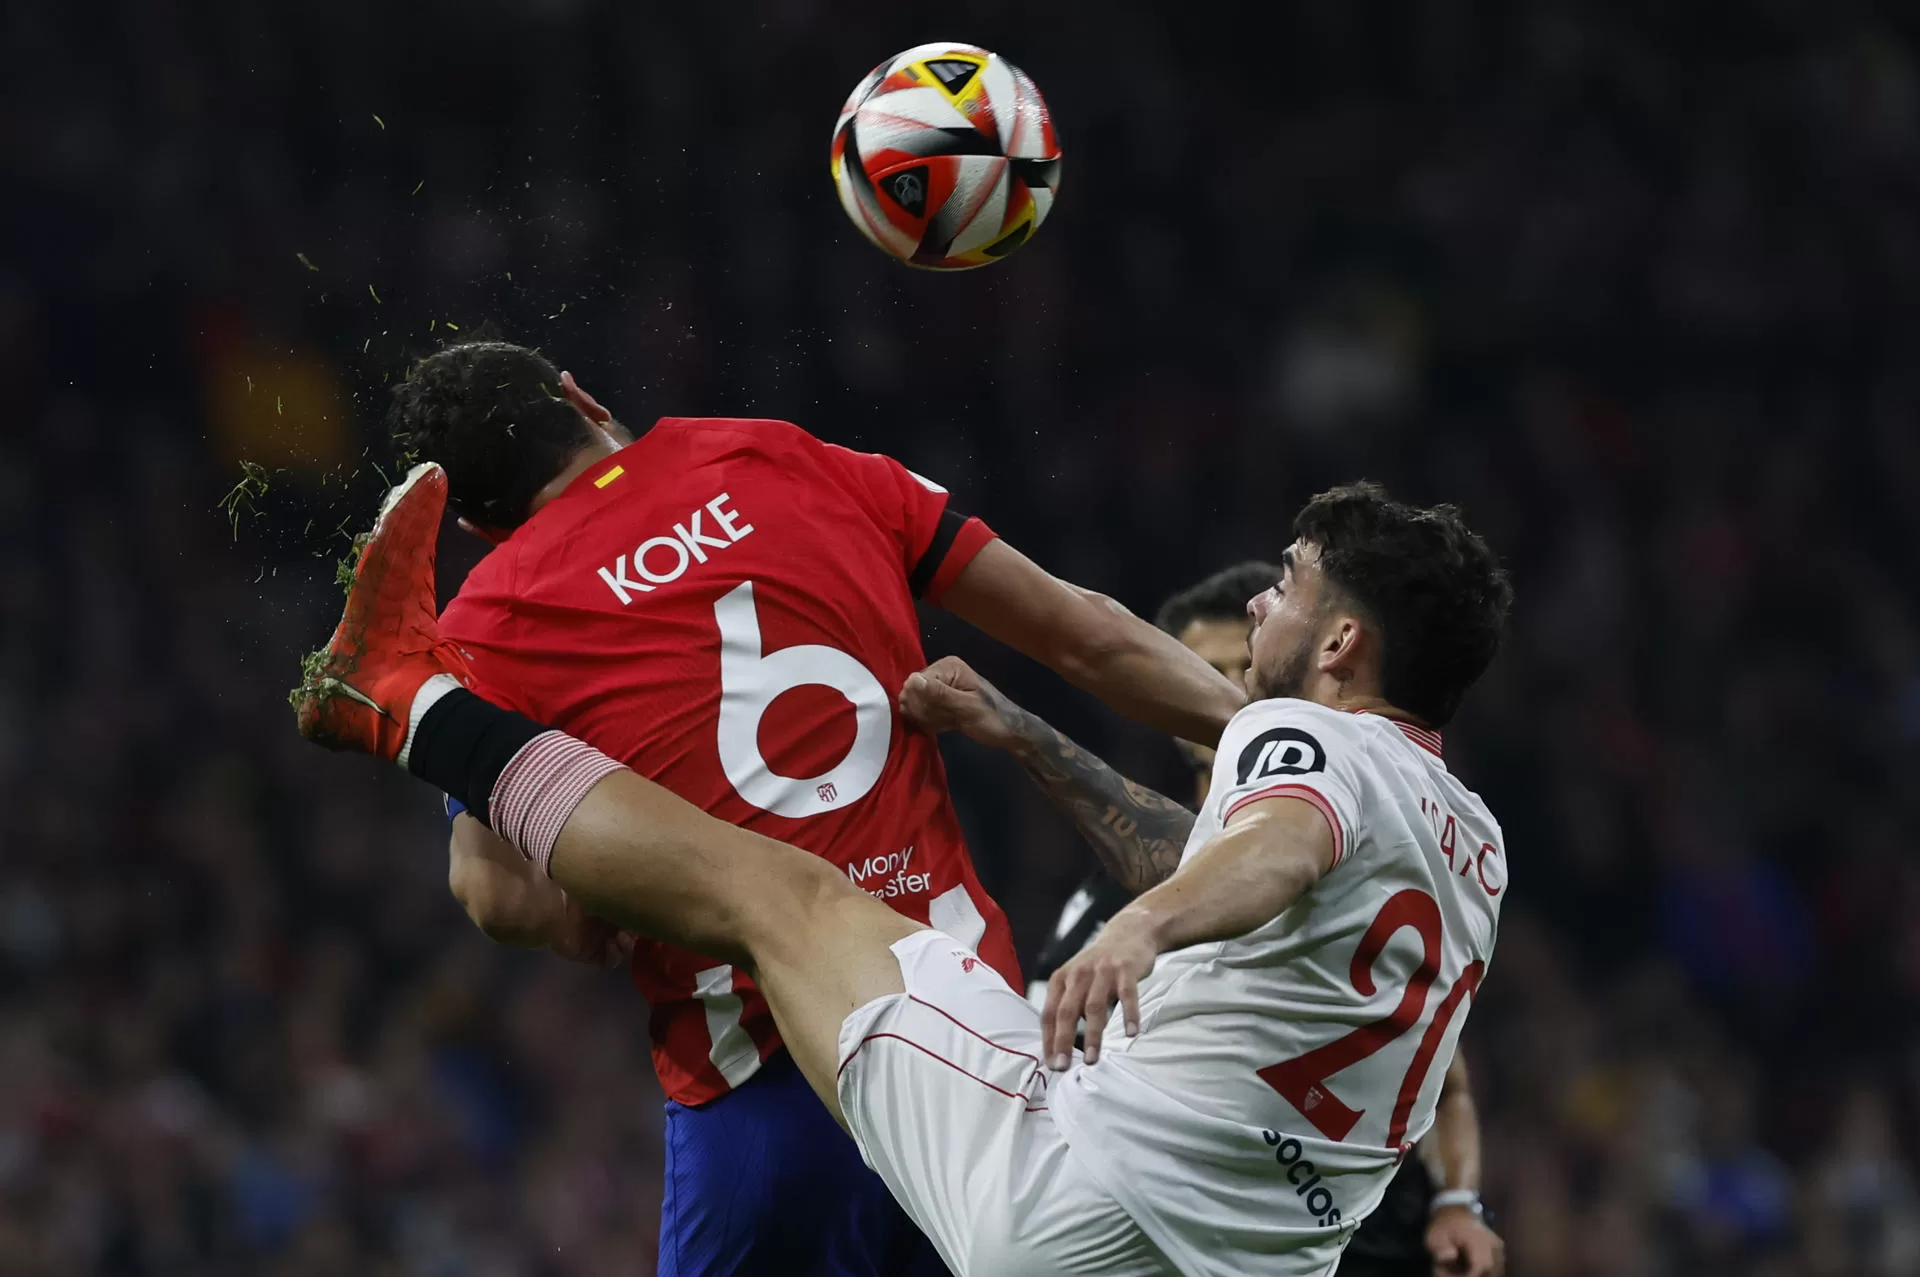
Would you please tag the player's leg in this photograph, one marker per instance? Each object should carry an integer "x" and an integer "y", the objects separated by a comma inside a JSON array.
[
  {"x": 816, "y": 945},
  {"x": 915, "y": 1044},
  {"x": 920, "y": 1048}
]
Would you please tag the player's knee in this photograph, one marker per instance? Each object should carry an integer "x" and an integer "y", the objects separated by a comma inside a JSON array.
[
  {"x": 813, "y": 918},
  {"x": 798, "y": 893},
  {"x": 832, "y": 904}
]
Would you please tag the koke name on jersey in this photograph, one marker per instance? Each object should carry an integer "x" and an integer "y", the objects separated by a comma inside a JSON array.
[{"x": 662, "y": 560}]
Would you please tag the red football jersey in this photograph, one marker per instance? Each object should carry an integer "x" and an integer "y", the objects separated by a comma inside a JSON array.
[{"x": 727, "y": 607}]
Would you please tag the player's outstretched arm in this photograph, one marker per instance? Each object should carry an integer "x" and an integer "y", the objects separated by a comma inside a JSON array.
[
  {"x": 1094, "y": 643},
  {"x": 509, "y": 900},
  {"x": 1137, "y": 834},
  {"x": 1268, "y": 856}
]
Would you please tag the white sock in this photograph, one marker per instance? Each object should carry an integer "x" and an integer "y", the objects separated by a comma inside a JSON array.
[{"x": 423, "y": 700}]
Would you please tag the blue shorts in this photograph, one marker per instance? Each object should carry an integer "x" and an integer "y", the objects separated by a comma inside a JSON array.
[{"x": 761, "y": 1181}]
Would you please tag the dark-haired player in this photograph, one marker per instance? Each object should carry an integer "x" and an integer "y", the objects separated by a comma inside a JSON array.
[
  {"x": 727, "y": 607},
  {"x": 1138, "y": 836},
  {"x": 1289, "y": 994}
]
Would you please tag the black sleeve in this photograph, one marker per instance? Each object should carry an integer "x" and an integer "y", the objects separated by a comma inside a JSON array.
[{"x": 951, "y": 521}]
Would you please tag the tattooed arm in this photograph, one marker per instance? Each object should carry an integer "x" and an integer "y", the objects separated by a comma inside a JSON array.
[{"x": 1137, "y": 834}]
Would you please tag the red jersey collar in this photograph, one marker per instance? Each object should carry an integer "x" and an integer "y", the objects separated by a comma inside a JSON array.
[
  {"x": 1425, "y": 737},
  {"x": 608, "y": 471},
  {"x": 615, "y": 470}
]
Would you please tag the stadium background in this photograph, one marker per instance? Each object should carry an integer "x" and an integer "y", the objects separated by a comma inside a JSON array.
[{"x": 1640, "y": 288}]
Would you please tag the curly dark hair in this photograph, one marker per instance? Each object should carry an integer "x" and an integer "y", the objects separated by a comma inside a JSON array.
[
  {"x": 491, "y": 413},
  {"x": 1431, "y": 585},
  {"x": 1220, "y": 597}
]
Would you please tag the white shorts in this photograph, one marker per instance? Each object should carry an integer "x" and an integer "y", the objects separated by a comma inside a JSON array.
[{"x": 943, "y": 1088}]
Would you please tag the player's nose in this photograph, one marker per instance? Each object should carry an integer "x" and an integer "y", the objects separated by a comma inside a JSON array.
[{"x": 1257, "y": 606}]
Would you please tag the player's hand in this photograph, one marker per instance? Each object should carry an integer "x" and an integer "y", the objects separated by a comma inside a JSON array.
[
  {"x": 1463, "y": 1246},
  {"x": 1108, "y": 970},
  {"x": 581, "y": 937},
  {"x": 948, "y": 696}
]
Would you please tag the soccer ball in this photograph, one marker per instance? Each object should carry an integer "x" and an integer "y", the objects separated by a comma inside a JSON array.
[{"x": 945, "y": 157}]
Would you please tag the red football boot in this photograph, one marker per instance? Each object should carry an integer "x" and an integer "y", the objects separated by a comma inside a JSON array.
[{"x": 358, "y": 692}]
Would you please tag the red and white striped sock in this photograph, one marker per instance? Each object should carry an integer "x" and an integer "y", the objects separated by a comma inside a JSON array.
[{"x": 540, "y": 788}]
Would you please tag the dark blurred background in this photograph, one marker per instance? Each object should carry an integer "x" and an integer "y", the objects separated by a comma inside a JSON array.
[{"x": 1637, "y": 284}]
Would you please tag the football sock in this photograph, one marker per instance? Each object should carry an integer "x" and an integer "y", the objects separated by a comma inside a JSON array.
[
  {"x": 462, "y": 743},
  {"x": 522, "y": 779},
  {"x": 540, "y": 788}
]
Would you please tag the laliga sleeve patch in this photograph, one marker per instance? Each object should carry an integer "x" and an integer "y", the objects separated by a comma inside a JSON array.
[{"x": 1280, "y": 751}]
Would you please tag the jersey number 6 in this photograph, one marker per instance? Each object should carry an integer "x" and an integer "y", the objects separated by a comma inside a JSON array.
[
  {"x": 749, "y": 683},
  {"x": 1302, "y": 1081}
]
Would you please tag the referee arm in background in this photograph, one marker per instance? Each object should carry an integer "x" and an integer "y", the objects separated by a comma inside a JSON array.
[{"x": 1457, "y": 1236}]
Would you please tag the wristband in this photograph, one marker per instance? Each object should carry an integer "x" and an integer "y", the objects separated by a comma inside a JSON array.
[{"x": 1457, "y": 1197}]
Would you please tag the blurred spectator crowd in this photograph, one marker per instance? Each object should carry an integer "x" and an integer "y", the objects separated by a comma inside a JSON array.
[{"x": 1637, "y": 285}]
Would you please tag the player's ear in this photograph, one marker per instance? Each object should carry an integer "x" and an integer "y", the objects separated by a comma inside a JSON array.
[
  {"x": 589, "y": 406},
  {"x": 1341, "y": 643}
]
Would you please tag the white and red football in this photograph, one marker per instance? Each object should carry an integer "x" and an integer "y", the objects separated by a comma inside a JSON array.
[{"x": 945, "y": 157}]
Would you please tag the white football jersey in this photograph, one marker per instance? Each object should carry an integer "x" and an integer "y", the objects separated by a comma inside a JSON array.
[{"x": 1279, "y": 1077}]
